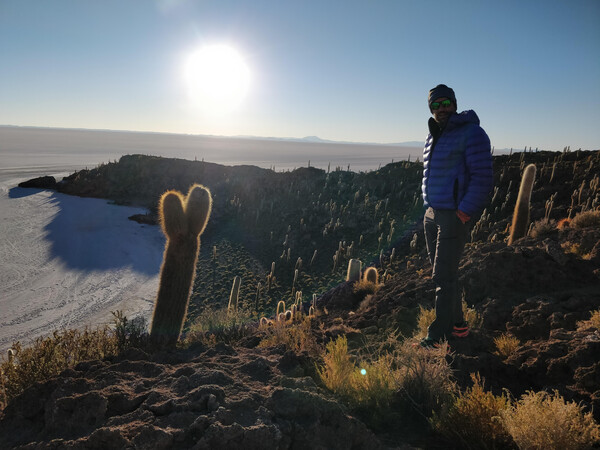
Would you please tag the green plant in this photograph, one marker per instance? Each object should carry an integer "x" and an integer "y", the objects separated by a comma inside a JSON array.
[
  {"x": 520, "y": 220},
  {"x": 183, "y": 220},
  {"x": 545, "y": 421},
  {"x": 474, "y": 418},
  {"x": 506, "y": 345}
]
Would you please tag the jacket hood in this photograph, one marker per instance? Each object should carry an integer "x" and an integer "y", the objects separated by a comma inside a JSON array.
[{"x": 458, "y": 119}]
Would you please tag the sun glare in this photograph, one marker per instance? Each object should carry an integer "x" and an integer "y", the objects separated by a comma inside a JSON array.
[{"x": 217, "y": 79}]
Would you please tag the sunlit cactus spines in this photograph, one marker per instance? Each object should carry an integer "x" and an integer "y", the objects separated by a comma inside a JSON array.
[
  {"x": 354, "y": 269},
  {"x": 182, "y": 219},
  {"x": 371, "y": 275},
  {"x": 520, "y": 222}
]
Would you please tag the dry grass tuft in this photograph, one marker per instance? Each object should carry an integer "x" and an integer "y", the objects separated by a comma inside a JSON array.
[
  {"x": 424, "y": 319},
  {"x": 218, "y": 325},
  {"x": 586, "y": 219},
  {"x": 474, "y": 418},
  {"x": 542, "y": 420},
  {"x": 543, "y": 228},
  {"x": 506, "y": 345},
  {"x": 48, "y": 357},
  {"x": 365, "y": 287},
  {"x": 593, "y": 321},
  {"x": 422, "y": 376},
  {"x": 295, "y": 335}
]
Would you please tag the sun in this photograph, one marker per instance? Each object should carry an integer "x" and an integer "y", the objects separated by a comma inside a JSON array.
[{"x": 217, "y": 79}]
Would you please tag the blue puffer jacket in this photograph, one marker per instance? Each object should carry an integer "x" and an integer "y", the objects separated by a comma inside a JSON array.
[{"x": 457, "y": 168}]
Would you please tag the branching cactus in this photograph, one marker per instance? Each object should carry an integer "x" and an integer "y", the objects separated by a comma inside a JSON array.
[
  {"x": 183, "y": 220},
  {"x": 520, "y": 221}
]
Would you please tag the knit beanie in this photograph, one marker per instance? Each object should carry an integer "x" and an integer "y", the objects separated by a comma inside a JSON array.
[{"x": 441, "y": 90}]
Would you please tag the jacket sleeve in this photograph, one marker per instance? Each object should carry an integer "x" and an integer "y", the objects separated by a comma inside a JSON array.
[{"x": 480, "y": 174}]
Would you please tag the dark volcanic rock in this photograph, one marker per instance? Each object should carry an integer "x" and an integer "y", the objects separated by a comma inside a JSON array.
[{"x": 46, "y": 182}]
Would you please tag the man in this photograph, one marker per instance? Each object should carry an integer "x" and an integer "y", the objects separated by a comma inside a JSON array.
[{"x": 457, "y": 182}]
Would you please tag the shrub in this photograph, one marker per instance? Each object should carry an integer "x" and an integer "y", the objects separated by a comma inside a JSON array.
[
  {"x": 593, "y": 321},
  {"x": 543, "y": 228},
  {"x": 424, "y": 319},
  {"x": 541, "y": 420},
  {"x": 506, "y": 345},
  {"x": 130, "y": 333},
  {"x": 586, "y": 219},
  {"x": 365, "y": 287},
  {"x": 474, "y": 417},
  {"x": 471, "y": 315},
  {"x": 337, "y": 367},
  {"x": 296, "y": 336},
  {"x": 48, "y": 357},
  {"x": 424, "y": 376},
  {"x": 218, "y": 325},
  {"x": 368, "y": 384}
]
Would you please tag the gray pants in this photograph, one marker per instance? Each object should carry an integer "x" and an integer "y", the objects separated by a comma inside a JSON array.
[{"x": 445, "y": 236}]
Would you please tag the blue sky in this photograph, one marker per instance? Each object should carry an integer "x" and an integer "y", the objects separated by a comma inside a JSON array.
[{"x": 341, "y": 70}]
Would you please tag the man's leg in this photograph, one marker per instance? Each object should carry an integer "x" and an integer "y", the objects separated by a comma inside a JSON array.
[{"x": 451, "y": 238}]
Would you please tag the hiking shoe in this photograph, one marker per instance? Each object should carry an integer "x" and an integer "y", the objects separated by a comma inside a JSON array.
[{"x": 460, "y": 330}]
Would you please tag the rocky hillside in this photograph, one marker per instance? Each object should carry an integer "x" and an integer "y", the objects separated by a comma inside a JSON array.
[{"x": 239, "y": 392}]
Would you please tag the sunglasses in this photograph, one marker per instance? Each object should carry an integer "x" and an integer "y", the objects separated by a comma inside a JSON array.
[{"x": 436, "y": 105}]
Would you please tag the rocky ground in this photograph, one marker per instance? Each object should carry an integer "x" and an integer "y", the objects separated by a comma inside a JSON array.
[{"x": 241, "y": 395}]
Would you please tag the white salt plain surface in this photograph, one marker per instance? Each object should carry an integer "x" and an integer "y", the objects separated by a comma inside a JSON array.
[{"x": 67, "y": 261}]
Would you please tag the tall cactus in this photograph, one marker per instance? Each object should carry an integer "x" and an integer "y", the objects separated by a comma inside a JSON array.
[
  {"x": 234, "y": 295},
  {"x": 183, "y": 220},
  {"x": 520, "y": 220}
]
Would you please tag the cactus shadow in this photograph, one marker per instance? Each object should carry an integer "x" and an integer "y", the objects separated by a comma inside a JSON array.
[{"x": 89, "y": 234}]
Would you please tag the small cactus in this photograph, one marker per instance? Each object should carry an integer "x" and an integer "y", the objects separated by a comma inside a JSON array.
[
  {"x": 371, "y": 275},
  {"x": 183, "y": 219},
  {"x": 520, "y": 221},
  {"x": 354, "y": 267}
]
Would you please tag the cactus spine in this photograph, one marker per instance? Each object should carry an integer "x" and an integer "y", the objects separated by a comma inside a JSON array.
[
  {"x": 521, "y": 214},
  {"x": 182, "y": 219}
]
